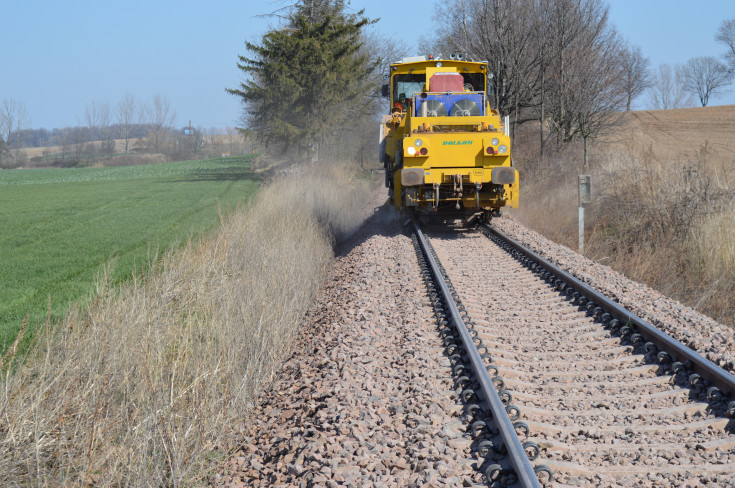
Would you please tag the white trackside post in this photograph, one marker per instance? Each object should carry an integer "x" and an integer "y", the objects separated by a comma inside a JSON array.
[
  {"x": 581, "y": 230},
  {"x": 585, "y": 197}
]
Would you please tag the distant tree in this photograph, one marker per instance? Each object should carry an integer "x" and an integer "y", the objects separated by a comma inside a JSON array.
[
  {"x": 3, "y": 141},
  {"x": 667, "y": 88},
  {"x": 160, "y": 117},
  {"x": 13, "y": 119},
  {"x": 726, "y": 35},
  {"x": 237, "y": 142},
  {"x": 300, "y": 79},
  {"x": 79, "y": 138},
  {"x": 706, "y": 77},
  {"x": 3, "y": 150},
  {"x": 636, "y": 76},
  {"x": 97, "y": 117},
  {"x": 127, "y": 114}
]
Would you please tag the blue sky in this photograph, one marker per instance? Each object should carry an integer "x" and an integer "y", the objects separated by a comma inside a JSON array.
[{"x": 58, "y": 56}]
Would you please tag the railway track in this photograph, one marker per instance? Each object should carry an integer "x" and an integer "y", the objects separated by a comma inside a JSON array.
[{"x": 589, "y": 391}]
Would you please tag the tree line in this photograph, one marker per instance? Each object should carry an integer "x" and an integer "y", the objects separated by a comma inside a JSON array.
[
  {"x": 106, "y": 132},
  {"x": 559, "y": 63},
  {"x": 562, "y": 64},
  {"x": 100, "y": 119},
  {"x": 43, "y": 137},
  {"x": 311, "y": 85}
]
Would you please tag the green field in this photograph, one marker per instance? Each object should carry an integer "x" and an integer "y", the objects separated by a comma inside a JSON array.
[{"x": 60, "y": 226}]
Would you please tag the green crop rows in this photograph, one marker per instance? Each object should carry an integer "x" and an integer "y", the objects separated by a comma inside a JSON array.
[{"x": 59, "y": 227}]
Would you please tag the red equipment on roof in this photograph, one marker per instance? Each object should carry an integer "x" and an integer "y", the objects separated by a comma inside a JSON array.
[{"x": 446, "y": 82}]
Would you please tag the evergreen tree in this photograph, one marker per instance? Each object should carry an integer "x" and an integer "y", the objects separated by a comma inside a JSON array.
[{"x": 303, "y": 80}]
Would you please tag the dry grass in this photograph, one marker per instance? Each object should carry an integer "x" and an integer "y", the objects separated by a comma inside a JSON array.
[
  {"x": 716, "y": 238},
  {"x": 665, "y": 221},
  {"x": 146, "y": 385},
  {"x": 548, "y": 200}
]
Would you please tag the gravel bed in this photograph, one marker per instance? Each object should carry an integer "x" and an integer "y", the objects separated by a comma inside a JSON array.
[
  {"x": 551, "y": 350},
  {"x": 367, "y": 397},
  {"x": 713, "y": 340}
]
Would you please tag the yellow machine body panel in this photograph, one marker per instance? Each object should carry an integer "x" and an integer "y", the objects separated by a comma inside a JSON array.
[{"x": 444, "y": 149}]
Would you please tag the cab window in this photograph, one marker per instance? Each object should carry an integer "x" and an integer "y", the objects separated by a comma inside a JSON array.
[{"x": 406, "y": 85}]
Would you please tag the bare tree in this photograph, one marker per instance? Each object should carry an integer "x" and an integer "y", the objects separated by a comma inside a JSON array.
[
  {"x": 236, "y": 141},
  {"x": 4, "y": 136},
  {"x": 667, "y": 89},
  {"x": 160, "y": 118},
  {"x": 97, "y": 117},
  {"x": 726, "y": 35},
  {"x": 105, "y": 127},
  {"x": 561, "y": 58},
  {"x": 706, "y": 77},
  {"x": 636, "y": 77},
  {"x": 127, "y": 114},
  {"x": 574, "y": 25},
  {"x": 78, "y": 138},
  {"x": 541, "y": 26},
  {"x": 13, "y": 119},
  {"x": 598, "y": 93},
  {"x": 501, "y": 33}
]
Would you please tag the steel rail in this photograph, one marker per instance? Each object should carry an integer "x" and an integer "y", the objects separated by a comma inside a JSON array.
[
  {"x": 517, "y": 455},
  {"x": 704, "y": 367}
]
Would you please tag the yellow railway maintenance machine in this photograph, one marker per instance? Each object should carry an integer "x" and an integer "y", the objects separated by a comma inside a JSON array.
[{"x": 445, "y": 151}]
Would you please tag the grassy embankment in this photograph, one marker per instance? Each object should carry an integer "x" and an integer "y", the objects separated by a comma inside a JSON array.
[
  {"x": 148, "y": 383},
  {"x": 664, "y": 206},
  {"x": 61, "y": 226}
]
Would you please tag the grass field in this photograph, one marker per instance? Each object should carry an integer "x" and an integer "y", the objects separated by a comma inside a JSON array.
[
  {"x": 61, "y": 226},
  {"x": 148, "y": 384}
]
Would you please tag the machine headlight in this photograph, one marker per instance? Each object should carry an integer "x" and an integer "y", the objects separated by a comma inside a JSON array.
[
  {"x": 495, "y": 141},
  {"x": 411, "y": 150},
  {"x": 438, "y": 64},
  {"x": 502, "y": 149},
  {"x": 418, "y": 142}
]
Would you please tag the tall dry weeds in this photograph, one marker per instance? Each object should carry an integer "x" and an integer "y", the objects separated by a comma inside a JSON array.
[
  {"x": 667, "y": 223},
  {"x": 146, "y": 385}
]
